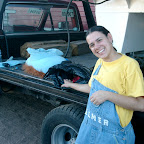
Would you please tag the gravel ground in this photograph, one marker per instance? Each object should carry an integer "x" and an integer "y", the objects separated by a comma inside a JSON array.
[{"x": 21, "y": 119}]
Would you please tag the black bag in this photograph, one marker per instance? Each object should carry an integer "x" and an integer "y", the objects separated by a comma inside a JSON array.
[{"x": 68, "y": 70}]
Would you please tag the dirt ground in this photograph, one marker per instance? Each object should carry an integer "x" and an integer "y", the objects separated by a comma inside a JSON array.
[{"x": 21, "y": 119}]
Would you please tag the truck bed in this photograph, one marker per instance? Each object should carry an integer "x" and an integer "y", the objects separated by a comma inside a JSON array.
[{"x": 16, "y": 76}]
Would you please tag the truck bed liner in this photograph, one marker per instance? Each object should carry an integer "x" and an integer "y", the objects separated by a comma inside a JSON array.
[
  {"x": 19, "y": 78},
  {"x": 16, "y": 76}
]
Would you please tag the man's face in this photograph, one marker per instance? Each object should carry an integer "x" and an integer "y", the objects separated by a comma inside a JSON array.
[{"x": 100, "y": 45}]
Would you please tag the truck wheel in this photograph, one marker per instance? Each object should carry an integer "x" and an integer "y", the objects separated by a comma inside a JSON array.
[{"x": 61, "y": 125}]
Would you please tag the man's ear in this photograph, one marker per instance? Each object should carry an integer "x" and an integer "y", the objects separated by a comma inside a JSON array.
[{"x": 110, "y": 38}]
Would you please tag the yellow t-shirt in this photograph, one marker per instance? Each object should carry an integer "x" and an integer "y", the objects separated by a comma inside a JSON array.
[{"x": 123, "y": 76}]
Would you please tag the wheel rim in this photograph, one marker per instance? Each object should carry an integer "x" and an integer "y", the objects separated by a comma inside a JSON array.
[{"x": 63, "y": 134}]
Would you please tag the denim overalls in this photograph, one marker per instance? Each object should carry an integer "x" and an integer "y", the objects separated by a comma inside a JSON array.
[{"x": 101, "y": 124}]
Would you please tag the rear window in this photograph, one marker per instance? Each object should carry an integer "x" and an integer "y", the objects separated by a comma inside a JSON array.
[{"x": 29, "y": 18}]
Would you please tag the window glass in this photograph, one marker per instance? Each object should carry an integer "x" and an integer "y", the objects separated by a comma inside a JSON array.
[
  {"x": 21, "y": 19},
  {"x": 26, "y": 18},
  {"x": 58, "y": 16}
]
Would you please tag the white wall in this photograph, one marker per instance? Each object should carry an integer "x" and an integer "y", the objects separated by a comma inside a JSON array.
[
  {"x": 116, "y": 24},
  {"x": 114, "y": 15},
  {"x": 121, "y": 6}
]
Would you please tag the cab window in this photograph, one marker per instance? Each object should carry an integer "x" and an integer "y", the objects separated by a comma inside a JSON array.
[{"x": 27, "y": 18}]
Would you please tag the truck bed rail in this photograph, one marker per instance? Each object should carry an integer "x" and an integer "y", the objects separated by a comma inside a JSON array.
[{"x": 16, "y": 76}]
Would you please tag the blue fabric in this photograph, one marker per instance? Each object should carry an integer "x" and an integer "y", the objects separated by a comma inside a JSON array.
[{"x": 101, "y": 124}]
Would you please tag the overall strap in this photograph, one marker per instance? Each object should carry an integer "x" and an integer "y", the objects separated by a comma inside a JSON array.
[{"x": 97, "y": 70}]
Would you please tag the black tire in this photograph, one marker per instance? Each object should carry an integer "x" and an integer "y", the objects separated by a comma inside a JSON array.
[{"x": 61, "y": 125}]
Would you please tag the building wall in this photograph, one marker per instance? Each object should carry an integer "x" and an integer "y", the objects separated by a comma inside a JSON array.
[
  {"x": 82, "y": 13},
  {"x": 121, "y": 6},
  {"x": 114, "y": 16}
]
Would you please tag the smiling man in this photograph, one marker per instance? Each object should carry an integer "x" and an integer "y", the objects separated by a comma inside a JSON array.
[{"x": 115, "y": 90}]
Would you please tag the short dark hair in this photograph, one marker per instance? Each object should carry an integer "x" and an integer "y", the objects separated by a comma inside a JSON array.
[{"x": 99, "y": 29}]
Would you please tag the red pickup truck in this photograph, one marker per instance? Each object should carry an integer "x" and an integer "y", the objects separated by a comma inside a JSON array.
[{"x": 26, "y": 21}]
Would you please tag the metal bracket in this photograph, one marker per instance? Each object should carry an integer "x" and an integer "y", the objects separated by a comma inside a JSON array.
[{"x": 128, "y": 3}]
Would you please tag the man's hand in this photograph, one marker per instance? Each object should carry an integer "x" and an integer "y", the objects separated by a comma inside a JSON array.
[
  {"x": 79, "y": 87},
  {"x": 67, "y": 83},
  {"x": 99, "y": 97},
  {"x": 128, "y": 102}
]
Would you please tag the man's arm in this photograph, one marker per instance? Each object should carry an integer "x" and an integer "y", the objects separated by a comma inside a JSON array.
[
  {"x": 132, "y": 103},
  {"x": 79, "y": 87}
]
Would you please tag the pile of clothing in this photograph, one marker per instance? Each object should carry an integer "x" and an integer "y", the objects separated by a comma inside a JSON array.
[
  {"x": 41, "y": 60},
  {"x": 49, "y": 64},
  {"x": 68, "y": 70}
]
